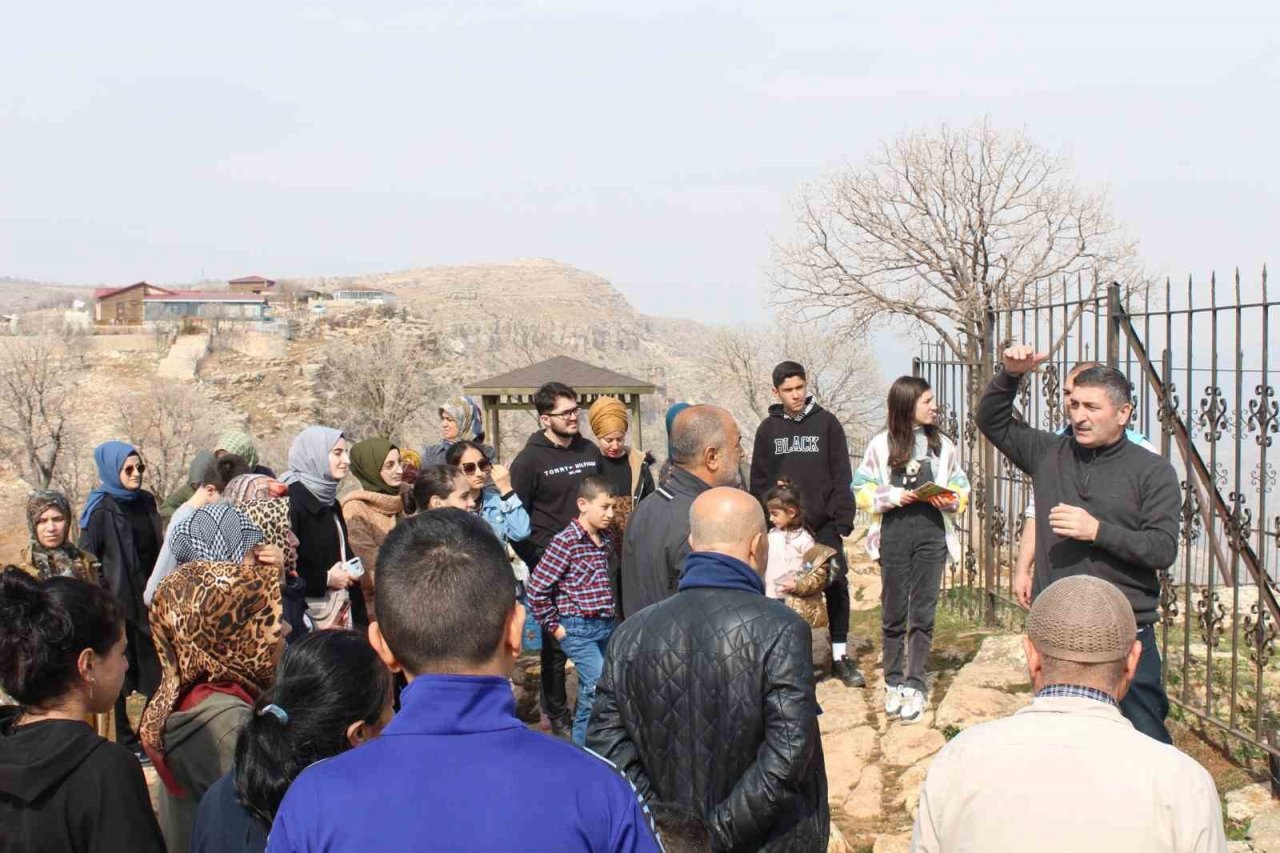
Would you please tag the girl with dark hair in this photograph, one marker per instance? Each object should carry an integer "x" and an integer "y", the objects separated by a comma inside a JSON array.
[
  {"x": 799, "y": 566},
  {"x": 332, "y": 693},
  {"x": 62, "y": 658},
  {"x": 491, "y": 491},
  {"x": 442, "y": 486},
  {"x": 912, "y": 533}
]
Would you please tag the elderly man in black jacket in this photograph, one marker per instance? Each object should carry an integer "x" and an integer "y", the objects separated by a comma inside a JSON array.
[
  {"x": 707, "y": 698},
  {"x": 706, "y": 450}
]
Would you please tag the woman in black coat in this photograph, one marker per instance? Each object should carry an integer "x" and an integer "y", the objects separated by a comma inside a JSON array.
[
  {"x": 121, "y": 527},
  {"x": 318, "y": 460}
]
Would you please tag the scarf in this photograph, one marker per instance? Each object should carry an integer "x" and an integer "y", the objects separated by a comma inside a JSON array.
[
  {"x": 212, "y": 623},
  {"x": 271, "y": 516},
  {"x": 703, "y": 569},
  {"x": 218, "y": 533},
  {"x": 606, "y": 415},
  {"x": 238, "y": 443},
  {"x": 367, "y": 458},
  {"x": 309, "y": 463},
  {"x": 253, "y": 487},
  {"x": 64, "y": 560},
  {"x": 676, "y": 408},
  {"x": 465, "y": 414},
  {"x": 109, "y": 457}
]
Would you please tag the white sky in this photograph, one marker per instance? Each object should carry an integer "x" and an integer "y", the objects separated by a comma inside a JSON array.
[{"x": 658, "y": 145}]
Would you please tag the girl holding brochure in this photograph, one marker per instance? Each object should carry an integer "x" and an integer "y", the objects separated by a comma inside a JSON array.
[{"x": 911, "y": 484}]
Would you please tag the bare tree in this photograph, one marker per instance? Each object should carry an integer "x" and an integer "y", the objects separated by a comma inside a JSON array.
[
  {"x": 169, "y": 424},
  {"x": 943, "y": 228},
  {"x": 37, "y": 380},
  {"x": 376, "y": 384}
]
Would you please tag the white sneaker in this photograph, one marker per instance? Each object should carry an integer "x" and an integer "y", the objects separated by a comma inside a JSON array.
[
  {"x": 912, "y": 706},
  {"x": 892, "y": 700}
]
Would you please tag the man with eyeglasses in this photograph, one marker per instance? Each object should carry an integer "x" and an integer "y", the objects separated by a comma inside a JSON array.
[{"x": 545, "y": 476}]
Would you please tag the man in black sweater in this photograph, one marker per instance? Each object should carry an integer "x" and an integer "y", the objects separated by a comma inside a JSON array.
[
  {"x": 805, "y": 443},
  {"x": 545, "y": 476},
  {"x": 1112, "y": 506}
]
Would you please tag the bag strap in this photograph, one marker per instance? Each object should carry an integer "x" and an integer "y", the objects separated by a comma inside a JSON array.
[{"x": 342, "y": 539}]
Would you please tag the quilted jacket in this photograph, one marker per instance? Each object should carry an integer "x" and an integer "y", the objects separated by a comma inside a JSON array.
[{"x": 707, "y": 701}]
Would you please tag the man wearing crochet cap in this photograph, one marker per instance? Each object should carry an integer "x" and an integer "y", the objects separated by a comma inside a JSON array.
[{"x": 1068, "y": 772}]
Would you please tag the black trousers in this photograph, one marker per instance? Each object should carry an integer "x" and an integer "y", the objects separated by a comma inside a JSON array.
[
  {"x": 555, "y": 701},
  {"x": 913, "y": 552},
  {"x": 837, "y": 588},
  {"x": 1146, "y": 704},
  {"x": 143, "y": 676}
]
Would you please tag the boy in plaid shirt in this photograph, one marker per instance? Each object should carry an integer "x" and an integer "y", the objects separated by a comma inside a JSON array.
[{"x": 570, "y": 595}]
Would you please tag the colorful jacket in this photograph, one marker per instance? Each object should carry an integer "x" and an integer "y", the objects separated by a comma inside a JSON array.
[{"x": 875, "y": 495}]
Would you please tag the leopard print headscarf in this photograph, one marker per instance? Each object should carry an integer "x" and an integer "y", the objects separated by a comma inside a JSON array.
[
  {"x": 211, "y": 622},
  {"x": 272, "y": 518}
]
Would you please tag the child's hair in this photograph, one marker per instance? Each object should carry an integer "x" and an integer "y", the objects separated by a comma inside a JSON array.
[
  {"x": 680, "y": 830},
  {"x": 222, "y": 471},
  {"x": 786, "y": 495},
  {"x": 327, "y": 681},
  {"x": 593, "y": 486},
  {"x": 44, "y": 626},
  {"x": 436, "y": 481}
]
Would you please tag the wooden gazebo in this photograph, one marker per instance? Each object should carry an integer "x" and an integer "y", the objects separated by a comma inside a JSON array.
[{"x": 514, "y": 391}]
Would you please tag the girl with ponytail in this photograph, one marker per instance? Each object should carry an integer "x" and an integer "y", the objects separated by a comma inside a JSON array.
[
  {"x": 332, "y": 693},
  {"x": 62, "y": 658}
]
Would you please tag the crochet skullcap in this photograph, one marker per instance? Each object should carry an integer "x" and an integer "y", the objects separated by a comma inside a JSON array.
[{"x": 1082, "y": 619}]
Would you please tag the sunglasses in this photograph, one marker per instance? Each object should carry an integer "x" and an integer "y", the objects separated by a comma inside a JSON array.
[
  {"x": 141, "y": 468},
  {"x": 470, "y": 468},
  {"x": 566, "y": 414}
]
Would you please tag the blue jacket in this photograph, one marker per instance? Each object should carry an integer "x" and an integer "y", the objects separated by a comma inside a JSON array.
[
  {"x": 508, "y": 518},
  {"x": 456, "y": 770}
]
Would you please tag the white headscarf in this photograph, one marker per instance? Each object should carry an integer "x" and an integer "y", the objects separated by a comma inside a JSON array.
[{"x": 309, "y": 462}]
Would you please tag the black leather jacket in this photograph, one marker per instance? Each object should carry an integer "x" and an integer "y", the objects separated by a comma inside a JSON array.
[
  {"x": 656, "y": 543},
  {"x": 707, "y": 701}
]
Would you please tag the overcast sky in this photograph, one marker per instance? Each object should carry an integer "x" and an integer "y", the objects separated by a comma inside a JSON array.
[{"x": 658, "y": 145}]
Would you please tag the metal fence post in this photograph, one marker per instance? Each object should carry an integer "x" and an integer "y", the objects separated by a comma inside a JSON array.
[{"x": 1114, "y": 312}]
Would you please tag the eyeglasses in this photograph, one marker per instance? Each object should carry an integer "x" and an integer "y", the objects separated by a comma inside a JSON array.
[
  {"x": 141, "y": 468},
  {"x": 566, "y": 414},
  {"x": 470, "y": 468}
]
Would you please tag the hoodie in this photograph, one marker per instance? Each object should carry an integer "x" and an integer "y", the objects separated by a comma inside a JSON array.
[
  {"x": 546, "y": 476},
  {"x": 812, "y": 452},
  {"x": 65, "y": 789}
]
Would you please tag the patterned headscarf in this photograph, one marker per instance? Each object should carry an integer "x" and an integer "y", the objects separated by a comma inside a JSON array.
[
  {"x": 464, "y": 412},
  {"x": 64, "y": 560},
  {"x": 239, "y": 443},
  {"x": 216, "y": 533},
  {"x": 272, "y": 518},
  {"x": 366, "y": 463},
  {"x": 253, "y": 487},
  {"x": 215, "y": 623},
  {"x": 309, "y": 462},
  {"x": 411, "y": 462}
]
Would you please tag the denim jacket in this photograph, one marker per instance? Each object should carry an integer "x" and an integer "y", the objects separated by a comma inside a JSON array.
[{"x": 508, "y": 518}]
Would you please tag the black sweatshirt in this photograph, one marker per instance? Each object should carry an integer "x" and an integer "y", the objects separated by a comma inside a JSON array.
[
  {"x": 814, "y": 454},
  {"x": 63, "y": 789},
  {"x": 546, "y": 476},
  {"x": 1132, "y": 492}
]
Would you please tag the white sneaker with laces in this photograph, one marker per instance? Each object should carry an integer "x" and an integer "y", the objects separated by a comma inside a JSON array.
[
  {"x": 912, "y": 706},
  {"x": 892, "y": 700}
]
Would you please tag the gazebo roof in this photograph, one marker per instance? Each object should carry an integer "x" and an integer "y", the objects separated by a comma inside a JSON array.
[{"x": 582, "y": 377}]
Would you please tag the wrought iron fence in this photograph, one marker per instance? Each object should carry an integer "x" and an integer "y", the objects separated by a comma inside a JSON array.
[{"x": 1204, "y": 396}]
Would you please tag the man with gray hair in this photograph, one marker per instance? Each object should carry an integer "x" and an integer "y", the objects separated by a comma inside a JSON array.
[
  {"x": 706, "y": 449},
  {"x": 1069, "y": 772},
  {"x": 707, "y": 699},
  {"x": 1108, "y": 508}
]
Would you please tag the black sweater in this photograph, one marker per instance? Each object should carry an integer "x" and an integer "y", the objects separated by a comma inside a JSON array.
[
  {"x": 63, "y": 789},
  {"x": 1132, "y": 492},
  {"x": 546, "y": 477},
  {"x": 814, "y": 454}
]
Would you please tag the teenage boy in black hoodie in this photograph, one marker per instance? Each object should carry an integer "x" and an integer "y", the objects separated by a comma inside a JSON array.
[
  {"x": 545, "y": 475},
  {"x": 804, "y": 442}
]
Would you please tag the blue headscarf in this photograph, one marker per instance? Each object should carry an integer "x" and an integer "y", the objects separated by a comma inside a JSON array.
[{"x": 109, "y": 457}]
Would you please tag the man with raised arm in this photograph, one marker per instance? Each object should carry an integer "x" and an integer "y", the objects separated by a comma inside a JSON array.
[{"x": 1108, "y": 508}]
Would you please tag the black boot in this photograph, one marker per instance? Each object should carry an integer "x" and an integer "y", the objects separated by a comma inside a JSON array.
[
  {"x": 562, "y": 727},
  {"x": 847, "y": 671}
]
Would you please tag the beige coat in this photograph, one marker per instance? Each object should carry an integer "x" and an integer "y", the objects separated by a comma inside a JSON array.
[
  {"x": 370, "y": 517},
  {"x": 1066, "y": 775},
  {"x": 807, "y": 598}
]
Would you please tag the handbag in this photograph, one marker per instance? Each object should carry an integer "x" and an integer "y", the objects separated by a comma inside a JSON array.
[{"x": 333, "y": 609}]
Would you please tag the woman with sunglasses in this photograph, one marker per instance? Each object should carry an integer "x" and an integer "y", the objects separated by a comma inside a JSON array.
[
  {"x": 374, "y": 508},
  {"x": 491, "y": 491},
  {"x": 121, "y": 527}
]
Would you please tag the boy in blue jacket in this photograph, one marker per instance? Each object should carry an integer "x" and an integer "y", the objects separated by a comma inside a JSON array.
[{"x": 456, "y": 770}]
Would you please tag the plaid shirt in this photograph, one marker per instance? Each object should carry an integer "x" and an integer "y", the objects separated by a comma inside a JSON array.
[
  {"x": 1077, "y": 691},
  {"x": 572, "y": 578}
]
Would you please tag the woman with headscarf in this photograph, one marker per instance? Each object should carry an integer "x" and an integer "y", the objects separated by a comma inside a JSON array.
[
  {"x": 460, "y": 420},
  {"x": 231, "y": 443},
  {"x": 50, "y": 553},
  {"x": 628, "y": 469},
  {"x": 266, "y": 502},
  {"x": 120, "y": 525},
  {"x": 318, "y": 460},
  {"x": 218, "y": 628},
  {"x": 373, "y": 509}
]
